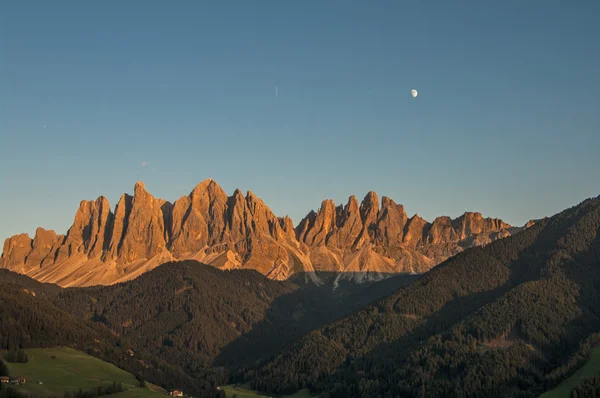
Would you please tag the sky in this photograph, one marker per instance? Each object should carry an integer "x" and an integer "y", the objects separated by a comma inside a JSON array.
[{"x": 299, "y": 101}]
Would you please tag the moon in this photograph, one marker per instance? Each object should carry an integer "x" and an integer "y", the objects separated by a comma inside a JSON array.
[{"x": 414, "y": 93}]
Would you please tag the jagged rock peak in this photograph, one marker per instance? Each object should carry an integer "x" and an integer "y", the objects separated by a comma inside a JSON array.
[
  {"x": 387, "y": 202},
  {"x": 139, "y": 187},
  {"x": 209, "y": 185},
  {"x": 42, "y": 232},
  {"x": 44, "y": 245},
  {"x": 369, "y": 208},
  {"x": 352, "y": 203},
  {"x": 240, "y": 231},
  {"x": 371, "y": 199},
  {"x": 15, "y": 251},
  {"x": 327, "y": 205},
  {"x": 287, "y": 224}
]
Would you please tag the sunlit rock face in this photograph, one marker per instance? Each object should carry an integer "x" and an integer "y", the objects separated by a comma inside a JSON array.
[{"x": 363, "y": 241}]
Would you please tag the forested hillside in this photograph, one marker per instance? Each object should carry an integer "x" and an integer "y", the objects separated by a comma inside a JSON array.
[
  {"x": 196, "y": 316},
  {"x": 511, "y": 319},
  {"x": 31, "y": 320},
  {"x": 38, "y": 288},
  {"x": 184, "y": 324},
  {"x": 183, "y": 312}
]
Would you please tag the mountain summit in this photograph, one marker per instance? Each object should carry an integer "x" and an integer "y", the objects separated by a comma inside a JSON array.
[{"x": 363, "y": 241}]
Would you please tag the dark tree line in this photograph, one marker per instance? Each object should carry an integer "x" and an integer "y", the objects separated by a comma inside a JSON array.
[
  {"x": 30, "y": 321},
  {"x": 16, "y": 356},
  {"x": 5, "y": 390},
  {"x": 589, "y": 388},
  {"x": 100, "y": 391},
  {"x": 9, "y": 392},
  {"x": 3, "y": 369}
]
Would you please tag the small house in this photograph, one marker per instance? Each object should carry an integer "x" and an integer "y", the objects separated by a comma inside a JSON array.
[
  {"x": 4, "y": 379},
  {"x": 176, "y": 393}
]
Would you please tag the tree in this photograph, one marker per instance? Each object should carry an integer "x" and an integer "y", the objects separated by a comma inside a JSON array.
[
  {"x": 141, "y": 381},
  {"x": 574, "y": 394},
  {"x": 16, "y": 356},
  {"x": 3, "y": 368},
  {"x": 21, "y": 356},
  {"x": 9, "y": 392}
]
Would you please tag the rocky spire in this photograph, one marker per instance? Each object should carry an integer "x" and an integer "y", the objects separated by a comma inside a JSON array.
[
  {"x": 348, "y": 227},
  {"x": 143, "y": 238},
  {"x": 44, "y": 245},
  {"x": 389, "y": 230},
  {"x": 120, "y": 224}
]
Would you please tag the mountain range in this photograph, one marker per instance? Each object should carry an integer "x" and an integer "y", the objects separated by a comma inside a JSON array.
[
  {"x": 513, "y": 318},
  {"x": 367, "y": 241}
]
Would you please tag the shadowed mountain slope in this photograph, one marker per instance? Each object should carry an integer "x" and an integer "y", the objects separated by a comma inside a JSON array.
[
  {"x": 511, "y": 319},
  {"x": 194, "y": 315},
  {"x": 183, "y": 324},
  {"x": 30, "y": 319}
]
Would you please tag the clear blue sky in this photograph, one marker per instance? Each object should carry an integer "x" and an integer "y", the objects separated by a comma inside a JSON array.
[{"x": 507, "y": 121}]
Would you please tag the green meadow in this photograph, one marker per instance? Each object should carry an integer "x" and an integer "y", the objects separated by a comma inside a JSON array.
[
  {"x": 53, "y": 371},
  {"x": 590, "y": 369},
  {"x": 246, "y": 392}
]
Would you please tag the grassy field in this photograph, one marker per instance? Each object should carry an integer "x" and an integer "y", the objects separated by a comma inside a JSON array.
[
  {"x": 141, "y": 393},
  {"x": 71, "y": 370},
  {"x": 592, "y": 368},
  {"x": 245, "y": 392}
]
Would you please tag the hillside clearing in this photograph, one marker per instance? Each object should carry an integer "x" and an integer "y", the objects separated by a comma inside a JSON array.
[{"x": 64, "y": 369}]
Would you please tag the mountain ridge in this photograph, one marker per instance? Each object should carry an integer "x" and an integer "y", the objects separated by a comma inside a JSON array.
[
  {"x": 183, "y": 324},
  {"x": 368, "y": 240},
  {"x": 514, "y": 318}
]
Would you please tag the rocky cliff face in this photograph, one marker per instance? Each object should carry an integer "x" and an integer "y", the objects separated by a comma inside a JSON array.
[
  {"x": 370, "y": 242},
  {"x": 358, "y": 241}
]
